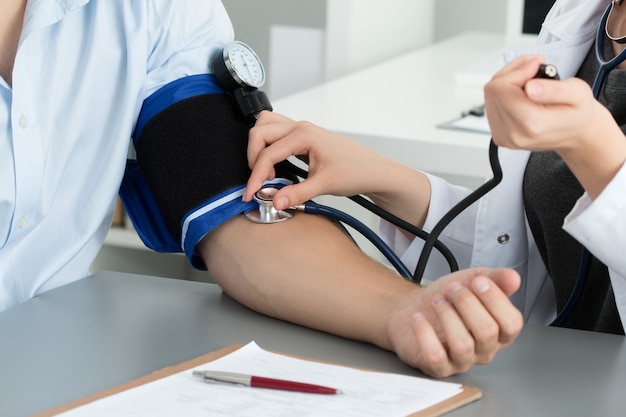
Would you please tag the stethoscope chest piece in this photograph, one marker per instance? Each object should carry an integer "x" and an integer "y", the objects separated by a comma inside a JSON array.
[{"x": 266, "y": 213}]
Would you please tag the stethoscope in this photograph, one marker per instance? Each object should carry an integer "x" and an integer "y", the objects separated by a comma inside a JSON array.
[{"x": 266, "y": 213}]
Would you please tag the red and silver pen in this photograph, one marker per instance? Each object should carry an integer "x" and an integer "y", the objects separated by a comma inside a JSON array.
[{"x": 262, "y": 382}]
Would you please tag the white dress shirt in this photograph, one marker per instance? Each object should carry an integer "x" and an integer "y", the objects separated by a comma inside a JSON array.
[{"x": 81, "y": 73}]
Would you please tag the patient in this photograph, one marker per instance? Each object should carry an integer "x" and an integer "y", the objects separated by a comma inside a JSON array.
[{"x": 139, "y": 69}]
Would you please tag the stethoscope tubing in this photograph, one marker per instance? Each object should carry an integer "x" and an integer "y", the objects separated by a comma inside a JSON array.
[
  {"x": 315, "y": 208},
  {"x": 604, "y": 66},
  {"x": 474, "y": 196},
  {"x": 374, "y": 238},
  {"x": 431, "y": 240}
]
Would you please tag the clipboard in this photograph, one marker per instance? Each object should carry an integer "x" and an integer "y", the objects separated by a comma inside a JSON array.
[
  {"x": 468, "y": 123},
  {"x": 467, "y": 395}
]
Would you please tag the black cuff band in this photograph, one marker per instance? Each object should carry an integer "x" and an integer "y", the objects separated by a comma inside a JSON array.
[{"x": 191, "y": 151}]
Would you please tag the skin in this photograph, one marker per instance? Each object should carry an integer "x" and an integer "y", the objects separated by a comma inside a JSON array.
[
  {"x": 325, "y": 282},
  {"x": 563, "y": 116},
  {"x": 332, "y": 160},
  {"x": 423, "y": 326},
  {"x": 616, "y": 26},
  {"x": 443, "y": 329},
  {"x": 11, "y": 17}
]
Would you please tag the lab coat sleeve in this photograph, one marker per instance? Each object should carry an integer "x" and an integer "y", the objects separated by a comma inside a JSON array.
[
  {"x": 600, "y": 225},
  {"x": 458, "y": 236}
]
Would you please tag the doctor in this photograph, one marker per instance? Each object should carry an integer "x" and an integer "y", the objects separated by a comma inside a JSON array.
[{"x": 564, "y": 186}]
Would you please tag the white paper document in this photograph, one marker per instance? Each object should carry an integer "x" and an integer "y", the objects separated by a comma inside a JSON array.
[{"x": 364, "y": 393}]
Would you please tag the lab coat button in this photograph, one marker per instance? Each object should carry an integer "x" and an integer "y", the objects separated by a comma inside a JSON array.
[
  {"x": 503, "y": 238},
  {"x": 23, "y": 122}
]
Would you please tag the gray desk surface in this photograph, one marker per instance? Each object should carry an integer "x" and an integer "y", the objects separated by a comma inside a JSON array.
[{"x": 110, "y": 328}]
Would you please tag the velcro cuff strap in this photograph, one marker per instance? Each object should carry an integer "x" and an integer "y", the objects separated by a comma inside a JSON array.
[
  {"x": 213, "y": 213},
  {"x": 192, "y": 157}
]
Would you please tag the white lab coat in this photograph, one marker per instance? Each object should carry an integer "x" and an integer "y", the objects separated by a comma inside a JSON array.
[{"x": 494, "y": 232}]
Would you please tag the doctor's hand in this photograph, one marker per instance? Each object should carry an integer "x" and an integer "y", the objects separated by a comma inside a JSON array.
[
  {"x": 562, "y": 116},
  {"x": 337, "y": 165},
  {"x": 458, "y": 321}
]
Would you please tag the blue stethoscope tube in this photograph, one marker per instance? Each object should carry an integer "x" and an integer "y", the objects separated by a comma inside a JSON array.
[
  {"x": 605, "y": 66},
  {"x": 315, "y": 208},
  {"x": 265, "y": 213},
  {"x": 431, "y": 240},
  {"x": 380, "y": 245}
]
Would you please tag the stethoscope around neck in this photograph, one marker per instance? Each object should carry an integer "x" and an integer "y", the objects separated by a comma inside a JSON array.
[
  {"x": 605, "y": 66},
  {"x": 266, "y": 213}
]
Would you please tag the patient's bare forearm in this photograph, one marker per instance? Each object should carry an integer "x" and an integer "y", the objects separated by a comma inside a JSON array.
[{"x": 307, "y": 271}]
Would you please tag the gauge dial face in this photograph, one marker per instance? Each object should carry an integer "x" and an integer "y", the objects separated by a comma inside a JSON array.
[{"x": 244, "y": 65}]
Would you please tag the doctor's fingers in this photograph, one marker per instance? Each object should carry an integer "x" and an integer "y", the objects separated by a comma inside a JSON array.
[
  {"x": 504, "y": 94},
  {"x": 267, "y": 117},
  {"x": 300, "y": 193},
  {"x": 571, "y": 92},
  {"x": 263, "y": 135},
  {"x": 519, "y": 70},
  {"x": 537, "y": 126},
  {"x": 267, "y": 158},
  {"x": 505, "y": 118},
  {"x": 518, "y": 122}
]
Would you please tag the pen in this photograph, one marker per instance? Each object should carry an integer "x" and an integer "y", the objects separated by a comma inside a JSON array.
[{"x": 262, "y": 382}]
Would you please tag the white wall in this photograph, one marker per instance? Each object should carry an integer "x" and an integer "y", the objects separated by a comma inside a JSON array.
[
  {"x": 361, "y": 33},
  {"x": 452, "y": 17},
  {"x": 356, "y": 33}
]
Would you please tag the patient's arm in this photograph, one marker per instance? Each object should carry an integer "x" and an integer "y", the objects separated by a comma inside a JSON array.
[
  {"x": 186, "y": 194},
  {"x": 307, "y": 271}
]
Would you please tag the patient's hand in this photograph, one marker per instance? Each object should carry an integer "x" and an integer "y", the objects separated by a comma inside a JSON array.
[{"x": 458, "y": 321}]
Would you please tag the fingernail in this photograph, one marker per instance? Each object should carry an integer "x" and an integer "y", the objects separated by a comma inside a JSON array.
[
  {"x": 454, "y": 287},
  {"x": 283, "y": 203},
  {"x": 534, "y": 89},
  {"x": 418, "y": 317},
  {"x": 439, "y": 299},
  {"x": 482, "y": 285}
]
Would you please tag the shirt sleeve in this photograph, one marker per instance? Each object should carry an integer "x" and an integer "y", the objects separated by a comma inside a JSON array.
[{"x": 182, "y": 38}]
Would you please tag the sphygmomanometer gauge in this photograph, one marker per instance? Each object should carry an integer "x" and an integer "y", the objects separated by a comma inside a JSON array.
[
  {"x": 239, "y": 67},
  {"x": 240, "y": 72}
]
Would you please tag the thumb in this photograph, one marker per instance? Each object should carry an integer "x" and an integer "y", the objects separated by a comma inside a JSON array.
[
  {"x": 547, "y": 91},
  {"x": 294, "y": 195}
]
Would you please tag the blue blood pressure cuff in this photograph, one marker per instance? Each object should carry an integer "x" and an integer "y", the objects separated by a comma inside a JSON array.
[{"x": 191, "y": 166}]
